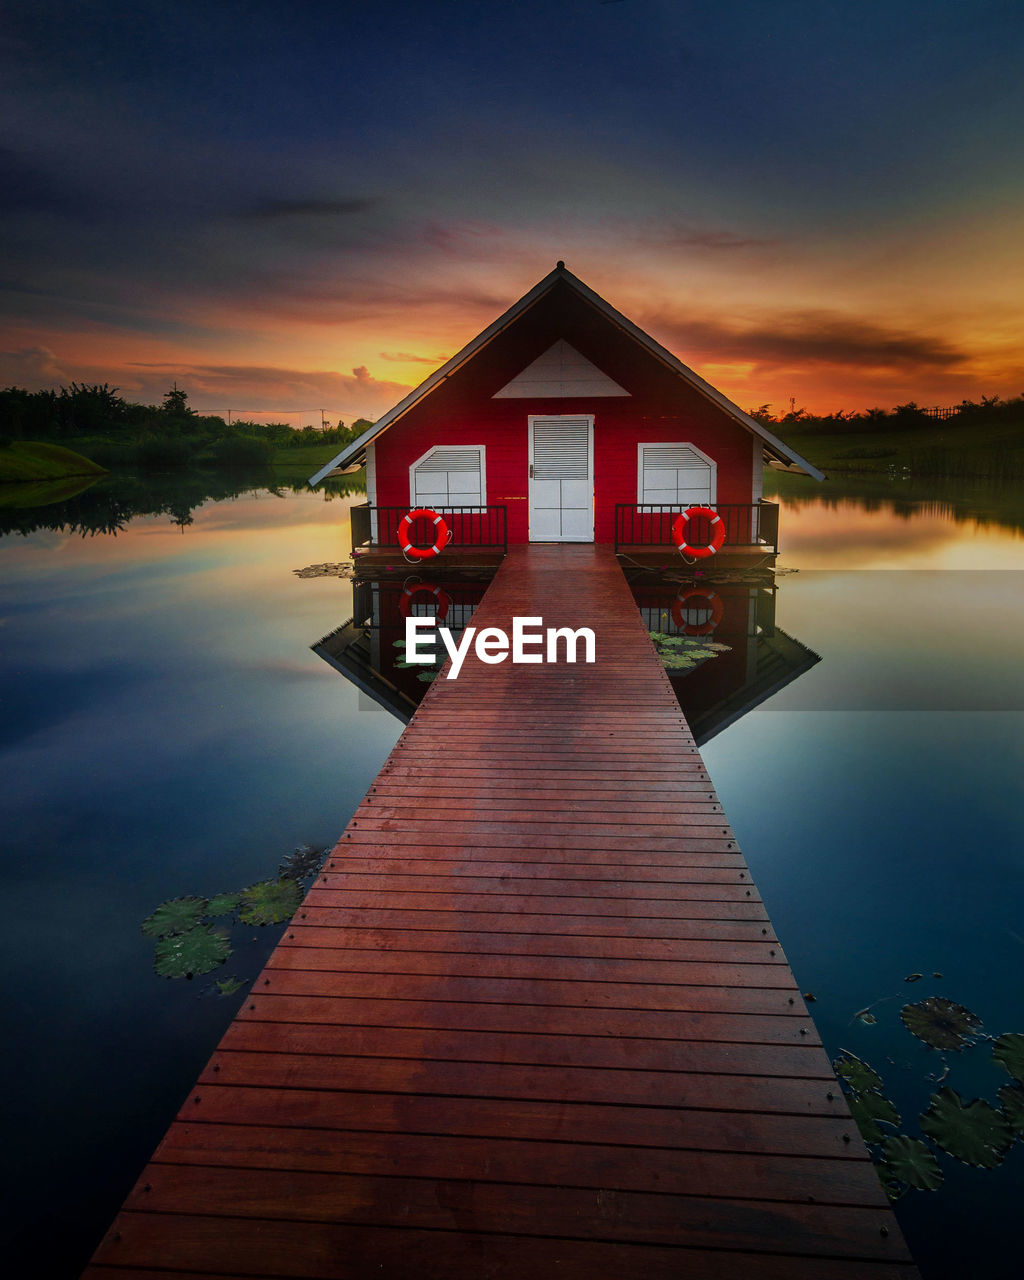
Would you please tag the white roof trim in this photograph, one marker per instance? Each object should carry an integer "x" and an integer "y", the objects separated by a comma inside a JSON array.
[{"x": 782, "y": 452}]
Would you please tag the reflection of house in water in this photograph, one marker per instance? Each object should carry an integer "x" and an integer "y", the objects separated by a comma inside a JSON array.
[
  {"x": 760, "y": 659},
  {"x": 752, "y": 658}
]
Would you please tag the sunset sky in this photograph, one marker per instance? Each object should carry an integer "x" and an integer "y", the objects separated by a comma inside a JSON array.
[{"x": 305, "y": 206}]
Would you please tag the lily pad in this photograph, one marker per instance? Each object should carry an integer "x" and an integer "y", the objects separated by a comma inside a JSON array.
[
  {"x": 187, "y": 955},
  {"x": 270, "y": 901},
  {"x": 974, "y": 1133},
  {"x": 857, "y": 1074},
  {"x": 302, "y": 862},
  {"x": 940, "y": 1023},
  {"x": 868, "y": 1110},
  {"x": 1011, "y": 1099},
  {"x": 1008, "y": 1051},
  {"x": 228, "y": 986},
  {"x": 911, "y": 1161},
  {"x": 176, "y": 915},
  {"x": 220, "y": 904}
]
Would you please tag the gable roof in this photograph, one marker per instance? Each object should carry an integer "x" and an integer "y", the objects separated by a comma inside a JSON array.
[{"x": 775, "y": 449}]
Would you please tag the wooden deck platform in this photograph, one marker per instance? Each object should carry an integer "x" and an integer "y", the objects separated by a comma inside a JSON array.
[{"x": 532, "y": 1021}]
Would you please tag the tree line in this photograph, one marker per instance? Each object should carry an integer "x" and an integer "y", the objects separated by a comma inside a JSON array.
[
  {"x": 989, "y": 410},
  {"x": 113, "y": 431}
]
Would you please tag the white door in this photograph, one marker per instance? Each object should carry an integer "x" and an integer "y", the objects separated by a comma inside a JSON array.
[{"x": 562, "y": 479}]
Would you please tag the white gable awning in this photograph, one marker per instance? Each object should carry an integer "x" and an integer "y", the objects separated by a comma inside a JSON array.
[{"x": 560, "y": 372}]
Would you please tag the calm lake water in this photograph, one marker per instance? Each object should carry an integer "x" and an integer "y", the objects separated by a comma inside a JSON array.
[{"x": 167, "y": 730}]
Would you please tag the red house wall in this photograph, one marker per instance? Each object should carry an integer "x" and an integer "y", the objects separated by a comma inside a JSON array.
[{"x": 660, "y": 407}]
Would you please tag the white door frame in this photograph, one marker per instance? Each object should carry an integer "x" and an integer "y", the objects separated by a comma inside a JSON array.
[{"x": 588, "y": 418}]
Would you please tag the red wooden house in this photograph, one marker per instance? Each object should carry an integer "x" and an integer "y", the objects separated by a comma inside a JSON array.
[{"x": 564, "y": 422}]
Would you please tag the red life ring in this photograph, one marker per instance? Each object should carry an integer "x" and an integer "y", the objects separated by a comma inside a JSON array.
[
  {"x": 682, "y": 604},
  {"x": 441, "y": 537},
  {"x": 406, "y": 599},
  {"x": 717, "y": 532}
]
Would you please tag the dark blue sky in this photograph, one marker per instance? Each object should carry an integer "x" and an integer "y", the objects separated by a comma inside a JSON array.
[{"x": 310, "y": 205}]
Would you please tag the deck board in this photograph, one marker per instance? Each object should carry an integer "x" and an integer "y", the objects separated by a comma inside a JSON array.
[{"x": 532, "y": 1019}]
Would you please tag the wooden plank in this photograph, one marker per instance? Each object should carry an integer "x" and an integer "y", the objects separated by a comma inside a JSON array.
[
  {"x": 563, "y": 1163},
  {"x": 512, "y": 1208},
  {"x": 566, "y": 969},
  {"x": 445, "y": 917},
  {"x": 803, "y": 1061},
  {"x": 724, "y": 886},
  {"x": 576, "y": 1084},
  {"x": 685, "y": 1129},
  {"x": 340, "y": 939},
  {"x": 323, "y": 1251},
  {"x": 580, "y": 864},
  {"x": 551, "y": 993},
  {"x": 706, "y": 907},
  {"x": 656, "y": 1024}
]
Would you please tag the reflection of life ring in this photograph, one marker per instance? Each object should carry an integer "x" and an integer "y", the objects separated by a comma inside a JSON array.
[
  {"x": 680, "y": 529},
  {"x": 442, "y": 536},
  {"x": 697, "y": 598},
  {"x": 409, "y": 593}
]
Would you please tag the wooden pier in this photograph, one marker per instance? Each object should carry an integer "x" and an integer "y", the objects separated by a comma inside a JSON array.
[{"x": 531, "y": 1021}]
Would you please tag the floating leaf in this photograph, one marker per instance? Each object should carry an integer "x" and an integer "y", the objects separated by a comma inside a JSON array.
[
  {"x": 1008, "y": 1051},
  {"x": 228, "y": 986},
  {"x": 868, "y": 1109},
  {"x": 866, "y": 1016},
  {"x": 974, "y": 1133},
  {"x": 220, "y": 904},
  {"x": 303, "y": 861},
  {"x": 270, "y": 901},
  {"x": 174, "y": 916},
  {"x": 187, "y": 955},
  {"x": 858, "y": 1075},
  {"x": 909, "y": 1160},
  {"x": 913, "y": 977},
  {"x": 940, "y": 1023},
  {"x": 1011, "y": 1099}
]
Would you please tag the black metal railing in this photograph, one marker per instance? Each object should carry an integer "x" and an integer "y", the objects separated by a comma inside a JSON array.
[
  {"x": 469, "y": 526},
  {"x": 747, "y": 524}
]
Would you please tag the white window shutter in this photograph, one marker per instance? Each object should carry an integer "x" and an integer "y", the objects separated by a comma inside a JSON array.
[
  {"x": 675, "y": 474},
  {"x": 449, "y": 477}
]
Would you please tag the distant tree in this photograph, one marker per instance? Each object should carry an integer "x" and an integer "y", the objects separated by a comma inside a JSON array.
[
  {"x": 763, "y": 413},
  {"x": 176, "y": 403},
  {"x": 87, "y": 410}
]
